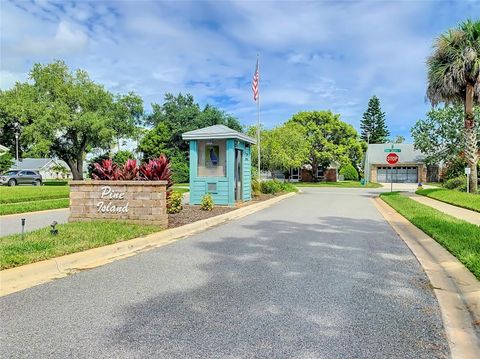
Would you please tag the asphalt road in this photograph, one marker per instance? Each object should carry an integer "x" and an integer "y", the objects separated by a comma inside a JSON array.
[
  {"x": 319, "y": 275},
  {"x": 12, "y": 223}
]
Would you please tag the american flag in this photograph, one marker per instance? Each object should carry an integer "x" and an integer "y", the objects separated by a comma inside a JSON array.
[{"x": 256, "y": 77}]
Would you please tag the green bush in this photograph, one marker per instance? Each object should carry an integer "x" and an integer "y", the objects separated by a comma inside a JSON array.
[
  {"x": 207, "y": 202},
  {"x": 122, "y": 156},
  {"x": 54, "y": 183},
  {"x": 256, "y": 188},
  {"x": 6, "y": 162},
  {"x": 349, "y": 173},
  {"x": 273, "y": 187},
  {"x": 459, "y": 183},
  {"x": 180, "y": 170},
  {"x": 174, "y": 203}
]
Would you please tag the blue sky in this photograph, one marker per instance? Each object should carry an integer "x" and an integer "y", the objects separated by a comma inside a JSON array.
[{"x": 313, "y": 55}]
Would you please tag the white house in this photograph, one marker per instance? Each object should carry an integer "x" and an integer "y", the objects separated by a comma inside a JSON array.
[{"x": 44, "y": 167}]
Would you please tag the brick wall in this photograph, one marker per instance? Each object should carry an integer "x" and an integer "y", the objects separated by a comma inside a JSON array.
[{"x": 141, "y": 202}]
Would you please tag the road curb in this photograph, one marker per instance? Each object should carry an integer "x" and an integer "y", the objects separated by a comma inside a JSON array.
[
  {"x": 26, "y": 276},
  {"x": 456, "y": 288}
]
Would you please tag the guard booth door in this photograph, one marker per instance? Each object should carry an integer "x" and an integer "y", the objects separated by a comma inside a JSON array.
[{"x": 238, "y": 175}]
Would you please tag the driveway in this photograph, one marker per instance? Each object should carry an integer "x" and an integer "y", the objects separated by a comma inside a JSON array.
[{"x": 319, "y": 275}]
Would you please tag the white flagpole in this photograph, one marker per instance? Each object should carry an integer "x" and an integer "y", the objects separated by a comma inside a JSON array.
[{"x": 258, "y": 118}]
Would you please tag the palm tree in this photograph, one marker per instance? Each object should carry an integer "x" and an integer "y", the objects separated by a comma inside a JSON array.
[{"x": 454, "y": 78}]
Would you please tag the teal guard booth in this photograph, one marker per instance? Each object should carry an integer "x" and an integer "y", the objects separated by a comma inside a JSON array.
[{"x": 220, "y": 164}]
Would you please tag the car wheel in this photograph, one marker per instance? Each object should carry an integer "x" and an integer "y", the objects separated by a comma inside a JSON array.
[
  {"x": 38, "y": 183},
  {"x": 12, "y": 182}
]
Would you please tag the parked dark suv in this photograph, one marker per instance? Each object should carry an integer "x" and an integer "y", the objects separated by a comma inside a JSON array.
[{"x": 16, "y": 177}]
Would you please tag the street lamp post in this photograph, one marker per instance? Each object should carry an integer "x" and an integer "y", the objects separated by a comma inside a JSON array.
[{"x": 16, "y": 147}]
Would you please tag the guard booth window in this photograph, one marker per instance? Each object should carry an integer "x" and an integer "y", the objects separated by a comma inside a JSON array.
[{"x": 212, "y": 158}]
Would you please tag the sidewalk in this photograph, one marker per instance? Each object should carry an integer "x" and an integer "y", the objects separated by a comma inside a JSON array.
[
  {"x": 11, "y": 223},
  {"x": 454, "y": 211}
]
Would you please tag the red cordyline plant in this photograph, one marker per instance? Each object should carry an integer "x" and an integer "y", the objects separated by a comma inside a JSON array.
[
  {"x": 157, "y": 169},
  {"x": 130, "y": 170},
  {"x": 107, "y": 170}
]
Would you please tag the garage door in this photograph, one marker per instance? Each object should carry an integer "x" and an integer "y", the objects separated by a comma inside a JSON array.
[{"x": 406, "y": 174}]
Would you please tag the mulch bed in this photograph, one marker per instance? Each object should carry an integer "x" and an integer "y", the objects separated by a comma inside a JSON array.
[{"x": 190, "y": 214}]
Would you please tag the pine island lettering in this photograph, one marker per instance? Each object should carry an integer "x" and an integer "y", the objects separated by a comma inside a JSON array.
[{"x": 112, "y": 195}]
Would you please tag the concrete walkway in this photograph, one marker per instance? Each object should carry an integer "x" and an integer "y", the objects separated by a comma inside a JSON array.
[
  {"x": 11, "y": 224},
  {"x": 319, "y": 275},
  {"x": 454, "y": 211}
]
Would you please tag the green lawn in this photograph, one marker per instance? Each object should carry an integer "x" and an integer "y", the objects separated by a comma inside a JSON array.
[
  {"x": 341, "y": 184},
  {"x": 460, "y": 238},
  {"x": 21, "y": 199},
  {"x": 72, "y": 237},
  {"x": 32, "y": 193},
  {"x": 180, "y": 190},
  {"x": 457, "y": 198},
  {"x": 22, "y": 207}
]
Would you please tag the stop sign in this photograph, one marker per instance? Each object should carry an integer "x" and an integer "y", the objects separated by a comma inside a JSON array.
[{"x": 392, "y": 158}]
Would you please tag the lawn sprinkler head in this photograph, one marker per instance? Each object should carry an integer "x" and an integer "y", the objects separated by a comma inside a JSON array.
[{"x": 54, "y": 230}]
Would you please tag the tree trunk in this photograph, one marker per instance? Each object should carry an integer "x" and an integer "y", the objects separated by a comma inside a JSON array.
[
  {"x": 76, "y": 167},
  {"x": 471, "y": 150},
  {"x": 315, "y": 171}
]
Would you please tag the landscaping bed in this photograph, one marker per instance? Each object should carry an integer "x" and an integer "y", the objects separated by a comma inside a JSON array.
[
  {"x": 461, "y": 199},
  {"x": 191, "y": 214},
  {"x": 460, "y": 238}
]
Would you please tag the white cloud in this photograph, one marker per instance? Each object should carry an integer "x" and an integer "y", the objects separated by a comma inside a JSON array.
[{"x": 313, "y": 55}]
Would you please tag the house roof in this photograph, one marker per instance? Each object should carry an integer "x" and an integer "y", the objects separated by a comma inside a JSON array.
[
  {"x": 3, "y": 149},
  {"x": 217, "y": 132},
  {"x": 376, "y": 153},
  {"x": 37, "y": 163}
]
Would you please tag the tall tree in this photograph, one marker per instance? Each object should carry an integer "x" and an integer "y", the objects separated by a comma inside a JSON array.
[
  {"x": 179, "y": 114},
  {"x": 454, "y": 78},
  {"x": 440, "y": 135},
  {"x": 373, "y": 126},
  {"x": 329, "y": 139},
  {"x": 282, "y": 148},
  {"x": 65, "y": 114}
]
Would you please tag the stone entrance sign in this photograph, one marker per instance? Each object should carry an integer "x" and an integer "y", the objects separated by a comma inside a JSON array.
[{"x": 129, "y": 201}]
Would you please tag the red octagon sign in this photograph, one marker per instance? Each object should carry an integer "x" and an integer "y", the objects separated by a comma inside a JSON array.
[{"x": 392, "y": 158}]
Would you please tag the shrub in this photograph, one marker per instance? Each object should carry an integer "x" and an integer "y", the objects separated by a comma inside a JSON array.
[
  {"x": 289, "y": 187},
  {"x": 106, "y": 170},
  {"x": 122, "y": 156},
  {"x": 459, "y": 183},
  {"x": 271, "y": 187},
  {"x": 349, "y": 172},
  {"x": 130, "y": 170},
  {"x": 174, "y": 203},
  {"x": 207, "y": 202},
  {"x": 157, "y": 170},
  {"x": 96, "y": 159},
  {"x": 54, "y": 183},
  {"x": 6, "y": 162},
  {"x": 256, "y": 188},
  {"x": 180, "y": 170}
]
